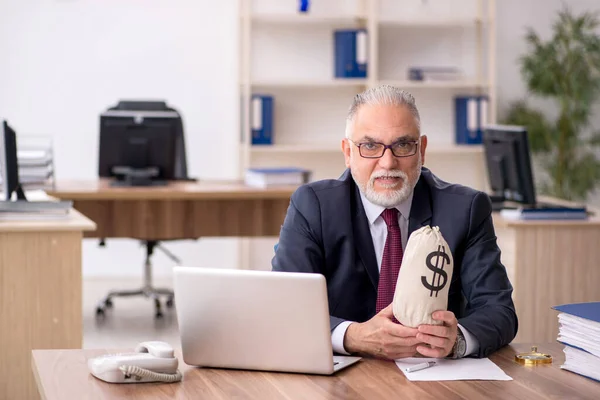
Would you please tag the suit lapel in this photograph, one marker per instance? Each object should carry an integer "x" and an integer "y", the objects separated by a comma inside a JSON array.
[
  {"x": 420, "y": 210},
  {"x": 362, "y": 238}
]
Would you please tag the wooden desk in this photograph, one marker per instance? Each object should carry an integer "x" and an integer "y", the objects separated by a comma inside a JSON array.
[
  {"x": 549, "y": 263},
  {"x": 40, "y": 295},
  {"x": 181, "y": 210},
  {"x": 63, "y": 374}
]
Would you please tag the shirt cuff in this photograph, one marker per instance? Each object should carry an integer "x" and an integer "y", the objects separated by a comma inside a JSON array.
[
  {"x": 337, "y": 338},
  {"x": 472, "y": 343}
]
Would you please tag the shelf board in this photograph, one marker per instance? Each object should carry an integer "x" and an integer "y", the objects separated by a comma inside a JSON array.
[
  {"x": 454, "y": 149},
  {"x": 312, "y": 84},
  {"x": 433, "y": 22},
  {"x": 335, "y": 148},
  {"x": 448, "y": 84},
  {"x": 306, "y": 19},
  {"x": 297, "y": 148}
]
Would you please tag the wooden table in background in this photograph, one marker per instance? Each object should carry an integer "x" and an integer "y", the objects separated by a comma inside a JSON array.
[
  {"x": 179, "y": 210},
  {"x": 40, "y": 295},
  {"x": 548, "y": 262},
  {"x": 63, "y": 374}
]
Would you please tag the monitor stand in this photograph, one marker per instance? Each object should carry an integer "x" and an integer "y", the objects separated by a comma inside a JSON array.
[
  {"x": 132, "y": 177},
  {"x": 499, "y": 203},
  {"x": 498, "y": 206}
]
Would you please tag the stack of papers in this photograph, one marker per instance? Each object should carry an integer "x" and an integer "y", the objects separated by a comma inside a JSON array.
[
  {"x": 39, "y": 206},
  {"x": 35, "y": 163},
  {"x": 579, "y": 329},
  {"x": 453, "y": 370}
]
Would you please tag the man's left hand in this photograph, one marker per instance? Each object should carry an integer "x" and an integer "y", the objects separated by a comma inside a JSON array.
[{"x": 441, "y": 338}]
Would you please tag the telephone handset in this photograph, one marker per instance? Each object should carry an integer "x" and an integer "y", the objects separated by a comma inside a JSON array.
[{"x": 151, "y": 362}]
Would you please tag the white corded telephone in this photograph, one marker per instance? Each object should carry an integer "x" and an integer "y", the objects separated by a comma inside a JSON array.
[{"x": 151, "y": 362}]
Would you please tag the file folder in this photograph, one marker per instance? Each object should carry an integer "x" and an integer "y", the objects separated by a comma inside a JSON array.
[
  {"x": 579, "y": 331},
  {"x": 261, "y": 119},
  {"x": 589, "y": 311},
  {"x": 471, "y": 118},
  {"x": 350, "y": 53}
]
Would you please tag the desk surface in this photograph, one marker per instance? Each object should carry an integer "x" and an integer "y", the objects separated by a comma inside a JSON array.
[
  {"x": 98, "y": 190},
  {"x": 101, "y": 190},
  {"x": 75, "y": 221},
  {"x": 64, "y": 374}
]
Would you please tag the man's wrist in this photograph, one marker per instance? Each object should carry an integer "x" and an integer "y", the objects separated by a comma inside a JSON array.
[
  {"x": 460, "y": 346},
  {"x": 350, "y": 344}
]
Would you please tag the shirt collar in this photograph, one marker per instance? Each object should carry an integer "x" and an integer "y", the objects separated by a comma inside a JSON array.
[{"x": 373, "y": 211}]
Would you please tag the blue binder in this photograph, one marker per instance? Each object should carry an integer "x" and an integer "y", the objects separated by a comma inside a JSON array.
[
  {"x": 589, "y": 311},
  {"x": 350, "y": 49},
  {"x": 471, "y": 118},
  {"x": 303, "y": 5},
  {"x": 261, "y": 119}
]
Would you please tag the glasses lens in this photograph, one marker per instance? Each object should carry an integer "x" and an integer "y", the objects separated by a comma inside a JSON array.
[
  {"x": 371, "y": 149},
  {"x": 404, "y": 149}
]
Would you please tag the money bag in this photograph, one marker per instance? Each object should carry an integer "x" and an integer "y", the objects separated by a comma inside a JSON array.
[{"x": 424, "y": 278}]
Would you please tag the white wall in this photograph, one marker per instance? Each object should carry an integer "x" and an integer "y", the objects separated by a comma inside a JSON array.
[{"x": 65, "y": 61}]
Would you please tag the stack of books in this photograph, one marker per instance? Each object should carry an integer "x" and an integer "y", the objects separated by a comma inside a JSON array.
[
  {"x": 38, "y": 207},
  {"x": 579, "y": 330},
  {"x": 268, "y": 177},
  {"x": 434, "y": 74}
]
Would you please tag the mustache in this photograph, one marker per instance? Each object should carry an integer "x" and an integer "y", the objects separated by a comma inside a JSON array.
[{"x": 394, "y": 173}]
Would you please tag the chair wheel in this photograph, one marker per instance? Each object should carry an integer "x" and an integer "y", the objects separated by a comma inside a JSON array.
[
  {"x": 100, "y": 312},
  {"x": 158, "y": 315},
  {"x": 170, "y": 302},
  {"x": 108, "y": 303}
]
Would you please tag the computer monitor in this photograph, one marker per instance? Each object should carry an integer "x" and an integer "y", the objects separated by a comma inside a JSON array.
[
  {"x": 10, "y": 166},
  {"x": 142, "y": 144},
  {"x": 509, "y": 165}
]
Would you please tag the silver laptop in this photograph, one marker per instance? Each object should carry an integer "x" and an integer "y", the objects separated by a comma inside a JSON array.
[{"x": 255, "y": 320}]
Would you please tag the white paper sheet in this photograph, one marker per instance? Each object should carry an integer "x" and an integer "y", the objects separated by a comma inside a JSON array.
[{"x": 453, "y": 370}]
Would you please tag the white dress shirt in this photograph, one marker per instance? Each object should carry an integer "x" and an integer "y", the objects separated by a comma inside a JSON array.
[{"x": 379, "y": 234}]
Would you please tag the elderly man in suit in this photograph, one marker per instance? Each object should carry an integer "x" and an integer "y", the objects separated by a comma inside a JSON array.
[{"x": 348, "y": 229}]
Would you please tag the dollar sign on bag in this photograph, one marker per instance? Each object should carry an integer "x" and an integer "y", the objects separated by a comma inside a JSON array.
[{"x": 438, "y": 271}]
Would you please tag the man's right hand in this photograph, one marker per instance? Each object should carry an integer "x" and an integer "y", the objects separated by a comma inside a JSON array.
[{"x": 381, "y": 337}]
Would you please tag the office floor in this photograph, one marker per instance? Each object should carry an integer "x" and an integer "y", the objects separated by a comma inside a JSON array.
[{"x": 130, "y": 321}]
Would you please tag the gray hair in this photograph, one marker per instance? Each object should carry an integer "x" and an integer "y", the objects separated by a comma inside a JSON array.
[{"x": 384, "y": 94}]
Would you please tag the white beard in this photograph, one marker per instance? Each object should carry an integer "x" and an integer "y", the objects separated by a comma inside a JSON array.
[{"x": 393, "y": 198}]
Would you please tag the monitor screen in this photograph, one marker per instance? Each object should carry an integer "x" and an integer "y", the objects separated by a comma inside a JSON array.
[
  {"x": 138, "y": 141},
  {"x": 9, "y": 162},
  {"x": 509, "y": 164}
]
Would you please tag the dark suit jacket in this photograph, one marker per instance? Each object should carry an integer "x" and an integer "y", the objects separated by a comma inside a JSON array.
[{"x": 326, "y": 231}]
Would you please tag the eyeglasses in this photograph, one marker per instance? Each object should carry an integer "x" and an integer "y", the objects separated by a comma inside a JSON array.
[{"x": 376, "y": 150}]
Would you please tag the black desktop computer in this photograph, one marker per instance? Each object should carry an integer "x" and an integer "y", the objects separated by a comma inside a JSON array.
[
  {"x": 142, "y": 144},
  {"x": 10, "y": 167},
  {"x": 11, "y": 183},
  {"x": 509, "y": 169}
]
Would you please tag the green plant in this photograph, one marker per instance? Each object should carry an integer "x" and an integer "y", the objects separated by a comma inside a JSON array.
[{"x": 565, "y": 69}]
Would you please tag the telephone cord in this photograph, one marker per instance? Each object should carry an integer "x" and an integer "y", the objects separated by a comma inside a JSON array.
[{"x": 132, "y": 370}]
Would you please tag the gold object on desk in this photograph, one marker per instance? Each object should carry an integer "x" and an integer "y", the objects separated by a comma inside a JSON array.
[{"x": 533, "y": 357}]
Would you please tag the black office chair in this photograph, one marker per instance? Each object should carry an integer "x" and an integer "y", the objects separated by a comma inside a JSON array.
[
  {"x": 142, "y": 144},
  {"x": 147, "y": 289}
]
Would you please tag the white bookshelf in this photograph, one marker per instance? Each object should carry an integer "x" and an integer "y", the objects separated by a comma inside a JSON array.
[{"x": 290, "y": 56}]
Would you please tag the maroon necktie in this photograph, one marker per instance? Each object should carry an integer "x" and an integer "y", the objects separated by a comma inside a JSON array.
[{"x": 390, "y": 263}]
